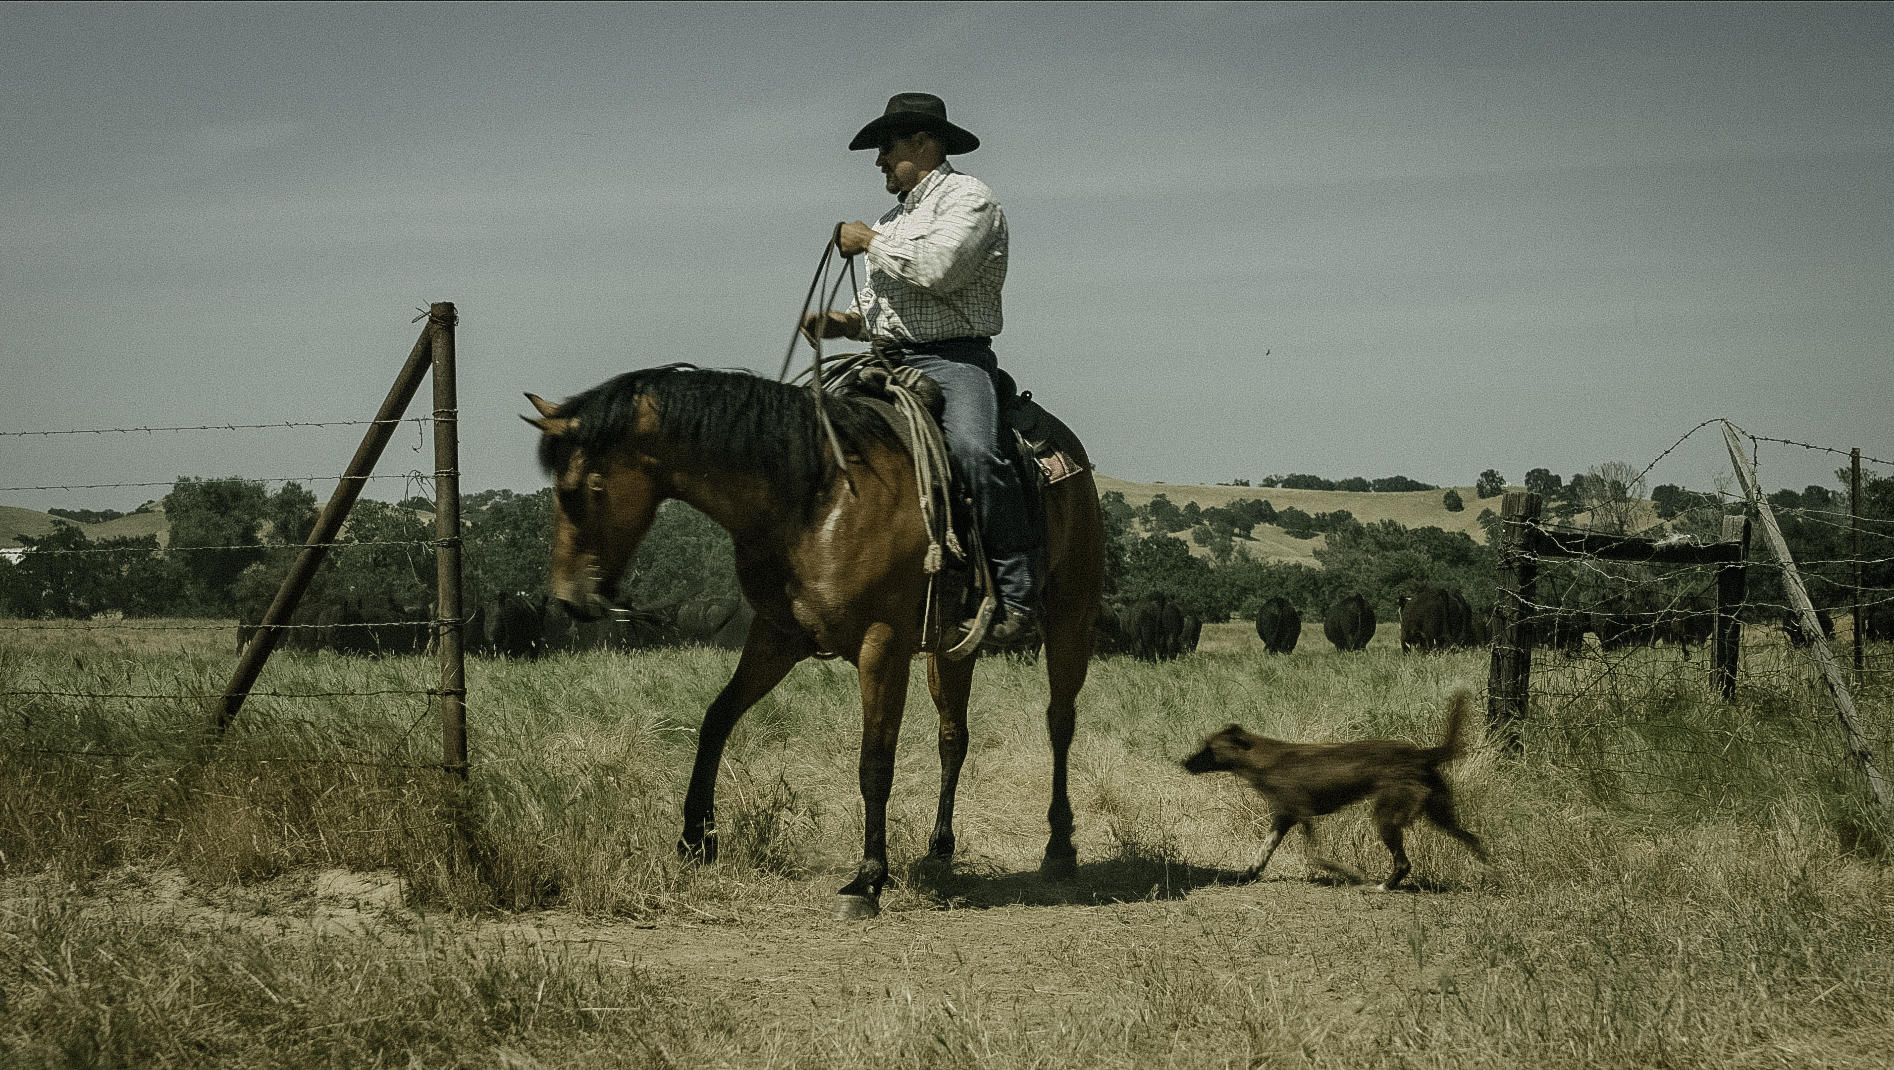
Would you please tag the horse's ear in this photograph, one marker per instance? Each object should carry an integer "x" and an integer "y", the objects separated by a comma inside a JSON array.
[
  {"x": 549, "y": 422},
  {"x": 554, "y": 426}
]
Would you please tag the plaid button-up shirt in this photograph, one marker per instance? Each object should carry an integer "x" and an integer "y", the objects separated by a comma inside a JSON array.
[{"x": 937, "y": 263}]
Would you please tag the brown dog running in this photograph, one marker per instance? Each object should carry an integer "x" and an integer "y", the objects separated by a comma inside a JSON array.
[{"x": 1303, "y": 781}]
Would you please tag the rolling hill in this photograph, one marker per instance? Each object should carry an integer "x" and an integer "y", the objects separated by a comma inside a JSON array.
[
  {"x": 15, "y": 522},
  {"x": 1413, "y": 509}
]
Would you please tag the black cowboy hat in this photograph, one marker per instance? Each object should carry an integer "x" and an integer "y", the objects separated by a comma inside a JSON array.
[{"x": 909, "y": 112}]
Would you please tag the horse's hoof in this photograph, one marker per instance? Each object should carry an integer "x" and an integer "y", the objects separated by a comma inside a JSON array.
[
  {"x": 1059, "y": 867},
  {"x": 856, "y": 907}
]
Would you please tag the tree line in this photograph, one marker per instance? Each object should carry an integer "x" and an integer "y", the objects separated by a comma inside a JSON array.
[
  {"x": 1381, "y": 561},
  {"x": 230, "y": 542}
]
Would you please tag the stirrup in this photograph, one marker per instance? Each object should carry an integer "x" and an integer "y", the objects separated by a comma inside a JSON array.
[{"x": 982, "y": 620}]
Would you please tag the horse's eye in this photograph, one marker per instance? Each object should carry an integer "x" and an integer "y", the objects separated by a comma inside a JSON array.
[{"x": 595, "y": 483}]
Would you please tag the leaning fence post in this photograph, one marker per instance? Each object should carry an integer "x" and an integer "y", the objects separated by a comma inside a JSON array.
[
  {"x": 1805, "y": 612},
  {"x": 1509, "y": 682},
  {"x": 1732, "y": 587},
  {"x": 448, "y": 644},
  {"x": 328, "y": 526}
]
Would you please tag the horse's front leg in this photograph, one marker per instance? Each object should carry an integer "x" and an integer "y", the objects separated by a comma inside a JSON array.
[
  {"x": 1068, "y": 657},
  {"x": 949, "y": 682},
  {"x": 767, "y": 658},
  {"x": 884, "y": 680}
]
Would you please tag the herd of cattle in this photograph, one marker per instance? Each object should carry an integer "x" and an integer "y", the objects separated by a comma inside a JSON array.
[{"x": 1152, "y": 628}]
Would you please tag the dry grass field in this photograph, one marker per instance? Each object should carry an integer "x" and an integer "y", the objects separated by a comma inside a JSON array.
[{"x": 1670, "y": 885}]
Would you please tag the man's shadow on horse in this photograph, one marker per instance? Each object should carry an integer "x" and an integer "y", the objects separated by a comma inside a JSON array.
[{"x": 831, "y": 554}]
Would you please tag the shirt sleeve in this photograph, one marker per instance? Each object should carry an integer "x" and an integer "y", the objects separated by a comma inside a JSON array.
[{"x": 942, "y": 252}]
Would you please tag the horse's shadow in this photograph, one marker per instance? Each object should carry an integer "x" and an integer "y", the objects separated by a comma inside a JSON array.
[{"x": 1124, "y": 878}]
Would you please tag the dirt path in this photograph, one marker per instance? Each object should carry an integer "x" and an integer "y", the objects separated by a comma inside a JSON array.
[{"x": 1036, "y": 960}]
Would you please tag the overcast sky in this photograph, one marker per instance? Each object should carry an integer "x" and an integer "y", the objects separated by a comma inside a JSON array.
[{"x": 1246, "y": 239}]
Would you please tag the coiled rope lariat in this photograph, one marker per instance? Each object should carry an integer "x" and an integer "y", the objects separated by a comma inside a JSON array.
[
  {"x": 816, "y": 383},
  {"x": 900, "y": 385},
  {"x": 932, "y": 473}
]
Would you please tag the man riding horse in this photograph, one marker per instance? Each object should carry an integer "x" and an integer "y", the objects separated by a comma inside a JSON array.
[{"x": 936, "y": 263}]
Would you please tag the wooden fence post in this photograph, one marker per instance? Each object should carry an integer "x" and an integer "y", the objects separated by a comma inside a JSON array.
[
  {"x": 1854, "y": 526},
  {"x": 448, "y": 636},
  {"x": 1805, "y": 613},
  {"x": 1732, "y": 587},
  {"x": 1509, "y": 682}
]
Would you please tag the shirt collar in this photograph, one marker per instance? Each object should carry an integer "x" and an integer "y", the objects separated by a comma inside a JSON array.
[{"x": 926, "y": 185}]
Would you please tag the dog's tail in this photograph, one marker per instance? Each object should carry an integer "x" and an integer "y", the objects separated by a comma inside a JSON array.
[{"x": 1458, "y": 707}]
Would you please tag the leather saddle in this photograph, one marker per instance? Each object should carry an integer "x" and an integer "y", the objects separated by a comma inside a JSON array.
[{"x": 1045, "y": 452}]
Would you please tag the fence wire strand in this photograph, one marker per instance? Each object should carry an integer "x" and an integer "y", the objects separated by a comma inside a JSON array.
[
  {"x": 1623, "y": 686},
  {"x": 220, "y": 427}
]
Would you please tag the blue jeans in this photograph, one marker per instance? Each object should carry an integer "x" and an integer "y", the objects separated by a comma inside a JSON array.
[{"x": 982, "y": 459}]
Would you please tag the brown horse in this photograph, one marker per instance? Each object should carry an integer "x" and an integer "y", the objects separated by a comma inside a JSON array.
[{"x": 832, "y": 561}]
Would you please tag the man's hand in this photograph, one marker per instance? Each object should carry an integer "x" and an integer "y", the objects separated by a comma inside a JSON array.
[
  {"x": 832, "y": 325},
  {"x": 853, "y": 238}
]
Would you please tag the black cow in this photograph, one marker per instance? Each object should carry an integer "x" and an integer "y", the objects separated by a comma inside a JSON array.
[
  {"x": 1624, "y": 621},
  {"x": 617, "y": 629},
  {"x": 1479, "y": 629},
  {"x": 394, "y": 630},
  {"x": 1193, "y": 631},
  {"x": 340, "y": 627},
  {"x": 1111, "y": 630},
  {"x": 1278, "y": 625},
  {"x": 1349, "y": 623},
  {"x": 1433, "y": 618},
  {"x": 1878, "y": 622},
  {"x": 1691, "y": 622},
  {"x": 1562, "y": 630},
  {"x": 515, "y": 626},
  {"x": 1157, "y": 626},
  {"x": 718, "y": 622},
  {"x": 303, "y": 633},
  {"x": 1792, "y": 626}
]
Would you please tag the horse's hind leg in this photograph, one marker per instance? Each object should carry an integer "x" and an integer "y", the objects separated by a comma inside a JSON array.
[
  {"x": 766, "y": 660},
  {"x": 949, "y": 682},
  {"x": 1068, "y": 657}
]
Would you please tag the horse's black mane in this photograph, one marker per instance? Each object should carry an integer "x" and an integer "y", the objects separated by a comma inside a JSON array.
[{"x": 734, "y": 419}]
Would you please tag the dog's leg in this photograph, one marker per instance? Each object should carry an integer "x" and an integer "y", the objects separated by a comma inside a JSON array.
[
  {"x": 1391, "y": 835},
  {"x": 1439, "y": 810},
  {"x": 1345, "y": 872},
  {"x": 1278, "y": 829},
  {"x": 1394, "y": 810}
]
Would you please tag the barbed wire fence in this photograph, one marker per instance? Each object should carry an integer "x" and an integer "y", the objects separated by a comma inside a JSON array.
[
  {"x": 80, "y": 685},
  {"x": 1659, "y": 651}
]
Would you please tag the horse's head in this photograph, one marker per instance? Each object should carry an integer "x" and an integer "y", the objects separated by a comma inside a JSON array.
[{"x": 603, "y": 503}]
